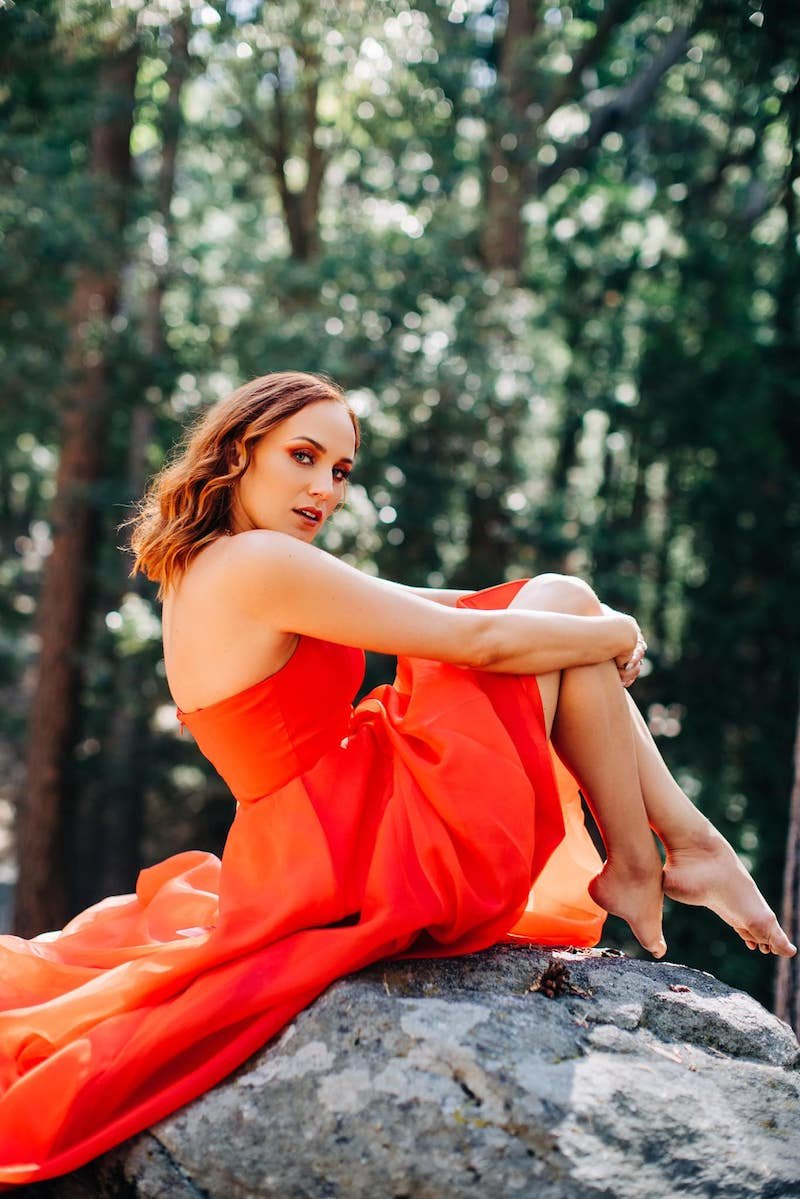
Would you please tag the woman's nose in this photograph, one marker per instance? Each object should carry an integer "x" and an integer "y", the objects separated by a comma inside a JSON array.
[{"x": 321, "y": 484}]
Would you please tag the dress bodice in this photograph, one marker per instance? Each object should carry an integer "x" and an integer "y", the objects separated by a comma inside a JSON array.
[{"x": 274, "y": 730}]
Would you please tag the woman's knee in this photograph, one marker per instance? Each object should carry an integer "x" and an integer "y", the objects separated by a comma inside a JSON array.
[{"x": 560, "y": 593}]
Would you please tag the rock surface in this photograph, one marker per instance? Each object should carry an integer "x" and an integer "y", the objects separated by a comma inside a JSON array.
[{"x": 517, "y": 1071}]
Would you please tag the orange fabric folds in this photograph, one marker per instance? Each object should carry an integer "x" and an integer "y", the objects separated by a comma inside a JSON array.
[{"x": 430, "y": 819}]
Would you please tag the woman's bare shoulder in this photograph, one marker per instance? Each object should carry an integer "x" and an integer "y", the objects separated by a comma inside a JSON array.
[
  {"x": 213, "y": 645},
  {"x": 222, "y": 571}
]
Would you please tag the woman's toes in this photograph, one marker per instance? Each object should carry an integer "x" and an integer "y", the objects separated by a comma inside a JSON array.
[
  {"x": 757, "y": 935},
  {"x": 768, "y": 937}
]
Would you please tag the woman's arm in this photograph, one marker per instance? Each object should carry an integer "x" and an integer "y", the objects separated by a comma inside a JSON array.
[
  {"x": 439, "y": 595},
  {"x": 299, "y": 588}
]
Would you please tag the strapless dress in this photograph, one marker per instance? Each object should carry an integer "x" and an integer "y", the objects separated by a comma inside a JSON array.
[{"x": 430, "y": 819}]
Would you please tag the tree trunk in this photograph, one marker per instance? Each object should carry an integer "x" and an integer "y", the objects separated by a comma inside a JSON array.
[
  {"x": 787, "y": 988},
  {"x": 511, "y": 152},
  {"x": 519, "y": 126},
  {"x": 43, "y": 819},
  {"x": 301, "y": 208},
  {"x": 126, "y": 746},
  {"x": 787, "y": 991}
]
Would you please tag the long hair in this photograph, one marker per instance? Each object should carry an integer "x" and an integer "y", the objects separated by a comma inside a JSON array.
[{"x": 187, "y": 504}]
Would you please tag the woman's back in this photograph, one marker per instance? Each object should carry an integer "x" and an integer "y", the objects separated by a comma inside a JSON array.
[{"x": 214, "y": 645}]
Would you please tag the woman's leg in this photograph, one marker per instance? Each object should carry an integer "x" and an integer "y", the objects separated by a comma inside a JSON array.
[
  {"x": 701, "y": 867},
  {"x": 585, "y": 713}
]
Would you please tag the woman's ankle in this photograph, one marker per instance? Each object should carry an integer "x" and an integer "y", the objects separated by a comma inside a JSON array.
[
  {"x": 700, "y": 837},
  {"x": 637, "y": 863}
]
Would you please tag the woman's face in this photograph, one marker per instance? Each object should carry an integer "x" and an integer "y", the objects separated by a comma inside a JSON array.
[{"x": 301, "y": 464}]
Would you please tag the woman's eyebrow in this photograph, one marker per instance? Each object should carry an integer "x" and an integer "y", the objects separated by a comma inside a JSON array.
[{"x": 317, "y": 445}]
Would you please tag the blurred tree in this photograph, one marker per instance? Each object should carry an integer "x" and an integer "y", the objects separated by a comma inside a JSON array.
[
  {"x": 127, "y": 741},
  {"x": 43, "y": 822},
  {"x": 787, "y": 988},
  {"x": 512, "y": 138}
]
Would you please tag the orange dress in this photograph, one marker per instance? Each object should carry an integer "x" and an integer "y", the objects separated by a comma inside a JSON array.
[{"x": 429, "y": 820}]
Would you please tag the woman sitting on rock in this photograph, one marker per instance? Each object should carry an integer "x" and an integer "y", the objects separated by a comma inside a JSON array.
[{"x": 438, "y": 816}]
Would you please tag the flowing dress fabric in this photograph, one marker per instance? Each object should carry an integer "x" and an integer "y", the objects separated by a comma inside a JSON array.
[{"x": 432, "y": 819}]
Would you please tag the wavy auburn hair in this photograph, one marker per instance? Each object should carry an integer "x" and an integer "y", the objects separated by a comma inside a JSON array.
[{"x": 187, "y": 504}]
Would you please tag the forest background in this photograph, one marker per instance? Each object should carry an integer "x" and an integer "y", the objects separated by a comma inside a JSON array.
[{"x": 550, "y": 251}]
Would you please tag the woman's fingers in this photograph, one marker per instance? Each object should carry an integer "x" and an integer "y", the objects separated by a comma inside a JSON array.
[
  {"x": 629, "y": 671},
  {"x": 637, "y": 657},
  {"x": 629, "y": 676}
]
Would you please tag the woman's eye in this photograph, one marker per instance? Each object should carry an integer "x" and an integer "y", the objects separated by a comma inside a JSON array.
[{"x": 339, "y": 471}]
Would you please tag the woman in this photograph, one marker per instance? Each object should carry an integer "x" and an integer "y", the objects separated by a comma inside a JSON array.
[{"x": 433, "y": 819}]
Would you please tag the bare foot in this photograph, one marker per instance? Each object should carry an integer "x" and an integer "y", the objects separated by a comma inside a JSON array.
[
  {"x": 635, "y": 894},
  {"x": 708, "y": 873}
]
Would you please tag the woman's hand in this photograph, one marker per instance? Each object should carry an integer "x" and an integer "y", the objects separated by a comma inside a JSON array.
[
  {"x": 629, "y": 670},
  {"x": 629, "y": 663}
]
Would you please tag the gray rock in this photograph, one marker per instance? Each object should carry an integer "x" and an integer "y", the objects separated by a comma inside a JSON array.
[{"x": 517, "y": 1071}]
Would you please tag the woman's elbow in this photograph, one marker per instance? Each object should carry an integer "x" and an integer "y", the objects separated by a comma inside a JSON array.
[{"x": 479, "y": 649}]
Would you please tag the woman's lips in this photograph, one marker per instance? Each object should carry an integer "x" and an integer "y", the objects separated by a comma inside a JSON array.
[{"x": 309, "y": 520}]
